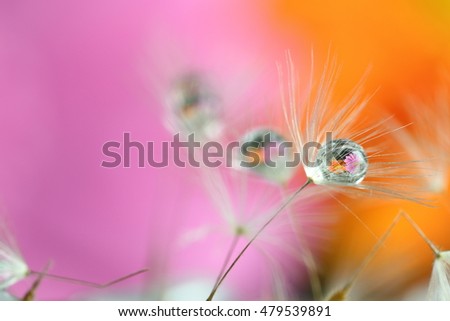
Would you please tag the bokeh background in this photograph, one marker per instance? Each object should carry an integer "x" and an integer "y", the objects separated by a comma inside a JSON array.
[{"x": 76, "y": 74}]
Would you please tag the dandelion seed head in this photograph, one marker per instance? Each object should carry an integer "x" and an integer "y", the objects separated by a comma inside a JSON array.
[
  {"x": 439, "y": 289},
  {"x": 263, "y": 152},
  {"x": 343, "y": 162},
  {"x": 339, "y": 161},
  {"x": 245, "y": 202},
  {"x": 428, "y": 137},
  {"x": 12, "y": 266}
]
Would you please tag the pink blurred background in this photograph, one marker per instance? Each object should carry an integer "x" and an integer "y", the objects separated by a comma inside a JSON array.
[{"x": 75, "y": 75}]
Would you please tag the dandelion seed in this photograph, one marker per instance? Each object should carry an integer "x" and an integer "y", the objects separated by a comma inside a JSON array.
[
  {"x": 429, "y": 136},
  {"x": 272, "y": 215},
  {"x": 13, "y": 267},
  {"x": 246, "y": 202},
  {"x": 353, "y": 161},
  {"x": 439, "y": 289},
  {"x": 273, "y": 164},
  {"x": 342, "y": 162},
  {"x": 350, "y": 161}
]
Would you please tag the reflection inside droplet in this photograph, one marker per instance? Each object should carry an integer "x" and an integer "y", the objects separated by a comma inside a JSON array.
[{"x": 339, "y": 161}]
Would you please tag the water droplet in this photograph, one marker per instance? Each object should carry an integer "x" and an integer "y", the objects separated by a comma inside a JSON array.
[
  {"x": 195, "y": 105},
  {"x": 339, "y": 161},
  {"x": 268, "y": 154}
]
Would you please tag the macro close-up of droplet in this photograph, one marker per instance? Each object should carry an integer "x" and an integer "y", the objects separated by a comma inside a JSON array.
[{"x": 339, "y": 161}]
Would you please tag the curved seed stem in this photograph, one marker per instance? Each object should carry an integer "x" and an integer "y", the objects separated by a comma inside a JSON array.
[
  {"x": 87, "y": 283},
  {"x": 371, "y": 254},
  {"x": 227, "y": 258},
  {"x": 430, "y": 244},
  {"x": 278, "y": 211}
]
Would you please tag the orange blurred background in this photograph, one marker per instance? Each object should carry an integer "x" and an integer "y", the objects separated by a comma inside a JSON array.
[{"x": 406, "y": 44}]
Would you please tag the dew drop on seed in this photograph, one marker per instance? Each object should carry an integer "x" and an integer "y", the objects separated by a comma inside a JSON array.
[
  {"x": 195, "y": 105},
  {"x": 339, "y": 161},
  {"x": 261, "y": 151}
]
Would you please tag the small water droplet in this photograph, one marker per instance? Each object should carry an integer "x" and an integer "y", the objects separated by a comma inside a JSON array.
[
  {"x": 195, "y": 105},
  {"x": 268, "y": 154}
]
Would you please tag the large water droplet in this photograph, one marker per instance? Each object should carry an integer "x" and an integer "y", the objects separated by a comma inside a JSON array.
[{"x": 339, "y": 161}]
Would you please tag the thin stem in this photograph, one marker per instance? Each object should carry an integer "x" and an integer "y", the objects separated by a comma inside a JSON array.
[
  {"x": 30, "y": 294},
  {"x": 340, "y": 295},
  {"x": 87, "y": 283},
  {"x": 278, "y": 211},
  {"x": 314, "y": 279},
  {"x": 227, "y": 258},
  {"x": 421, "y": 233},
  {"x": 308, "y": 260},
  {"x": 371, "y": 254}
]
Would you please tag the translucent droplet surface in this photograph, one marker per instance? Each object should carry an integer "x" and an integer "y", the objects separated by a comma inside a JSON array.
[
  {"x": 194, "y": 105},
  {"x": 267, "y": 153},
  {"x": 339, "y": 161}
]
